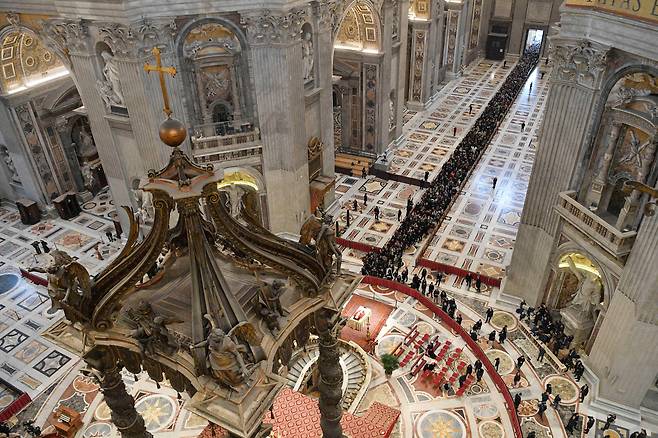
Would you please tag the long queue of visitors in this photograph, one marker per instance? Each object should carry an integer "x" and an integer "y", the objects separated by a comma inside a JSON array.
[{"x": 427, "y": 213}]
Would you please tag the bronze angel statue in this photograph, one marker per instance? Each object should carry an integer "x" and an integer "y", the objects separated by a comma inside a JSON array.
[
  {"x": 69, "y": 285},
  {"x": 319, "y": 232}
]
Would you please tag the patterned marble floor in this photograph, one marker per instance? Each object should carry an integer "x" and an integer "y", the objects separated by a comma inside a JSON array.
[
  {"x": 427, "y": 143},
  {"x": 427, "y": 412},
  {"x": 479, "y": 233}
]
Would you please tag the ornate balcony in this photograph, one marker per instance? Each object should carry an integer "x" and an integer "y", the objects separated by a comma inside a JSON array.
[
  {"x": 226, "y": 147},
  {"x": 618, "y": 243}
]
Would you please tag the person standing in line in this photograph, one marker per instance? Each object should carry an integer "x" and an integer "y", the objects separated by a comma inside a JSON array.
[
  {"x": 355, "y": 205},
  {"x": 492, "y": 337},
  {"x": 517, "y": 378},
  {"x": 608, "y": 422},
  {"x": 470, "y": 108},
  {"x": 556, "y": 401},
  {"x": 454, "y": 131},
  {"x": 517, "y": 400},
  {"x": 584, "y": 390},
  {"x": 365, "y": 199},
  {"x": 520, "y": 361},
  {"x": 542, "y": 352},
  {"x": 589, "y": 424},
  {"x": 489, "y": 315},
  {"x": 497, "y": 363},
  {"x": 504, "y": 63},
  {"x": 468, "y": 279},
  {"x": 571, "y": 424},
  {"x": 376, "y": 210},
  {"x": 522, "y": 126},
  {"x": 399, "y": 215},
  {"x": 493, "y": 183},
  {"x": 364, "y": 172},
  {"x": 347, "y": 218},
  {"x": 36, "y": 247},
  {"x": 531, "y": 87},
  {"x": 479, "y": 373},
  {"x": 478, "y": 284}
]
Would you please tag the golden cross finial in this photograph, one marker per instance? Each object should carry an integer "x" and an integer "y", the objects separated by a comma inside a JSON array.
[{"x": 161, "y": 71}]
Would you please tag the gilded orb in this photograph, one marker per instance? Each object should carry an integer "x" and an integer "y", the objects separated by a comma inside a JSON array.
[{"x": 172, "y": 132}]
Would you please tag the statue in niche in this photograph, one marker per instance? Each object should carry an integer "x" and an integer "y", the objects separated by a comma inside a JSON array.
[
  {"x": 235, "y": 194},
  {"x": 112, "y": 77},
  {"x": 150, "y": 330},
  {"x": 322, "y": 231},
  {"x": 225, "y": 356},
  {"x": 588, "y": 294},
  {"x": 13, "y": 173},
  {"x": 307, "y": 56},
  {"x": 107, "y": 94},
  {"x": 88, "y": 177},
  {"x": 69, "y": 284}
]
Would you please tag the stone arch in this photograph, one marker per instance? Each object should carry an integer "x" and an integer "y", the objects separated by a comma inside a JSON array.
[
  {"x": 242, "y": 76},
  {"x": 27, "y": 56},
  {"x": 606, "y": 279}
]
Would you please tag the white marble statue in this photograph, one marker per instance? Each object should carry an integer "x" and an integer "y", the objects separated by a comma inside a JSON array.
[
  {"x": 307, "y": 56},
  {"x": 111, "y": 73},
  {"x": 144, "y": 201},
  {"x": 13, "y": 174},
  {"x": 87, "y": 145},
  {"x": 588, "y": 294},
  {"x": 107, "y": 94},
  {"x": 87, "y": 176},
  {"x": 235, "y": 197}
]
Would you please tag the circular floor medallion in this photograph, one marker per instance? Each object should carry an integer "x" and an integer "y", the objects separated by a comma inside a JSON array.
[
  {"x": 405, "y": 318},
  {"x": 491, "y": 429},
  {"x": 388, "y": 343},
  {"x": 98, "y": 430},
  {"x": 424, "y": 327},
  {"x": 440, "y": 424},
  {"x": 157, "y": 410},
  {"x": 8, "y": 281},
  {"x": 501, "y": 318},
  {"x": 506, "y": 362},
  {"x": 102, "y": 412},
  {"x": 566, "y": 388},
  {"x": 486, "y": 411}
]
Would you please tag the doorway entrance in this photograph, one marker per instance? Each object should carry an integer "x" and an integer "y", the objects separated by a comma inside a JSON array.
[{"x": 535, "y": 37}]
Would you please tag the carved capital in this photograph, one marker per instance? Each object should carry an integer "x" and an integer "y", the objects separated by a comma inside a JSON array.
[
  {"x": 66, "y": 35},
  {"x": 137, "y": 39},
  {"x": 266, "y": 27},
  {"x": 579, "y": 61}
]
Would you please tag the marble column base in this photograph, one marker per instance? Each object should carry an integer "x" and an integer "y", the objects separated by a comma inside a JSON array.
[{"x": 577, "y": 325}]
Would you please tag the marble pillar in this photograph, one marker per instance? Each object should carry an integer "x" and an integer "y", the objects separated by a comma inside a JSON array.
[
  {"x": 625, "y": 352},
  {"x": 419, "y": 72},
  {"x": 331, "y": 376},
  {"x": 324, "y": 80},
  {"x": 276, "y": 55},
  {"x": 401, "y": 36},
  {"x": 575, "y": 84},
  {"x": 122, "y": 405},
  {"x": 385, "y": 86}
]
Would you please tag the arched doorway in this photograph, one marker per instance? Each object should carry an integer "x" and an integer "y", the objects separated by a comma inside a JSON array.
[{"x": 357, "y": 70}]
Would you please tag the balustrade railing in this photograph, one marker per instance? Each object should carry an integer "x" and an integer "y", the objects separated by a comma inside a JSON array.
[{"x": 617, "y": 242}]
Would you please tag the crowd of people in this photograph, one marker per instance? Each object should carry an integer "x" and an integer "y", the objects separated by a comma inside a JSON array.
[{"x": 436, "y": 200}]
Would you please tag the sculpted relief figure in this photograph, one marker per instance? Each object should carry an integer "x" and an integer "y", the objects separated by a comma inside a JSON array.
[
  {"x": 225, "y": 357},
  {"x": 112, "y": 81},
  {"x": 69, "y": 285},
  {"x": 322, "y": 231},
  {"x": 150, "y": 330},
  {"x": 588, "y": 294},
  {"x": 268, "y": 305}
]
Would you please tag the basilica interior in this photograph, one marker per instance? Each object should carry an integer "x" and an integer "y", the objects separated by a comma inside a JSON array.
[{"x": 328, "y": 218}]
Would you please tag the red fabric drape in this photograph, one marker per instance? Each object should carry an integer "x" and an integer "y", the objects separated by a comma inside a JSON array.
[
  {"x": 15, "y": 407},
  {"x": 436, "y": 266},
  {"x": 356, "y": 245},
  {"x": 475, "y": 348}
]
